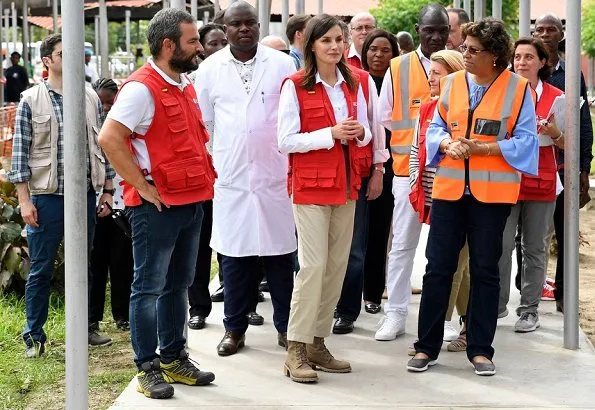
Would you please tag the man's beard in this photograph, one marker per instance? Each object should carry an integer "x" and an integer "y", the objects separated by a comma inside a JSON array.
[{"x": 182, "y": 64}]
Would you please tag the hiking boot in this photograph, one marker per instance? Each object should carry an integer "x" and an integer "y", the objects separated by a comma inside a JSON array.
[
  {"x": 319, "y": 357},
  {"x": 528, "y": 322},
  {"x": 184, "y": 371},
  {"x": 151, "y": 382},
  {"x": 35, "y": 350},
  {"x": 95, "y": 339},
  {"x": 282, "y": 340},
  {"x": 296, "y": 365}
]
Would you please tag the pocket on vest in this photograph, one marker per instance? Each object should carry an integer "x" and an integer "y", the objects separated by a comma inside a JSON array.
[
  {"x": 42, "y": 137},
  {"x": 313, "y": 177},
  {"x": 183, "y": 175},
  {"x": 544, "y": 184},
  {"x": 41, "y": 169}
]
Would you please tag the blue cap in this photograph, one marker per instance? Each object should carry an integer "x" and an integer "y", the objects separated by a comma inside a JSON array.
[{"x": 88, "y": 52}]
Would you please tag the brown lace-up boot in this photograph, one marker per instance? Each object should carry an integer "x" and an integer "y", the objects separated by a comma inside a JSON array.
[
  {"x": 296, "y": 365},
  {"x": 320, "y": 358}
]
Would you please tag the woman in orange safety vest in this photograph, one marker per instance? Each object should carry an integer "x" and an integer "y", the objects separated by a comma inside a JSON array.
[
  {"x": 482, "y": 136},
  {"x": 322, "y": 126}
]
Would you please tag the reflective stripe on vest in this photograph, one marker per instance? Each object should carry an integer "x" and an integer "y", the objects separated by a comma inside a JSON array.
[
  {"x": 410, "y": 91},
  {"x": 490, "y": 178}
]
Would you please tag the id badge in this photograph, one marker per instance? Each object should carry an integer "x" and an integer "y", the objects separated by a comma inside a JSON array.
[{"x": 486, "y": 127}]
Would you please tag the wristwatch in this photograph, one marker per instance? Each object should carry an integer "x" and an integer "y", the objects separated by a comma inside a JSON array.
[
  {"x": 380, "y": 169},
  {"x": 109, "y": 191}
]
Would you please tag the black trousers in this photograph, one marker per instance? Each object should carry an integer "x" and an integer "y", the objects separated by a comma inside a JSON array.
[
  {"x": 112, "y": 253},
  {"x": 242, "y": 276},
  {"x": 198, "y": 293},
  {"x": 380, "y": 215},
  {"x": 559, "y": 229},
  {"x": 453, "y": 222}
]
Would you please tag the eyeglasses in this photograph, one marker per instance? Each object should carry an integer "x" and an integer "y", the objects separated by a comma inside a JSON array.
[
  {"x": 472, "y": 50},
  {"x": 359, "y": 29}
]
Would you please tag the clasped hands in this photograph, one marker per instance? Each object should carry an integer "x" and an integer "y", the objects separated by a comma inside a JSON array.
[
  {"x": 462, "y": 148},
  {"x": 348, "y": 129}
]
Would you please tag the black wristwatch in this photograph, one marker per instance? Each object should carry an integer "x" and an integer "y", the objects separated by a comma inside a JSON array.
[{"x": 109, "y": 191}]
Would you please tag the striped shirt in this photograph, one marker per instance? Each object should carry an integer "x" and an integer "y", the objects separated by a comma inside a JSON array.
[
  {"x": 427, "y": 177},
  {"x": 23, "y": 136}
]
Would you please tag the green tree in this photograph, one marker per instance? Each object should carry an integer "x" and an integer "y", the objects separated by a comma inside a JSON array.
[
  {"x": 402, "y": 15},
  {"x": 588, "y": 28}
]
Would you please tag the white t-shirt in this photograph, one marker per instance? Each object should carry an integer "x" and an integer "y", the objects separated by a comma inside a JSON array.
[{"x": 134, "y": 108}]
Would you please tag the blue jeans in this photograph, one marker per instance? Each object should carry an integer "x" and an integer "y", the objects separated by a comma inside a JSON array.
[
  {"x": 43, "y": 247},
  {"x": 241, "y": 277},
  {"x": 165, "y": 248},
  {"x": 453, "y": 222},
  {"x": 350, "y": 303}
]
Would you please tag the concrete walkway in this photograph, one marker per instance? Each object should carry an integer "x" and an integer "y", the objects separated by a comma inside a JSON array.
[{"x": 534, "y": 371}]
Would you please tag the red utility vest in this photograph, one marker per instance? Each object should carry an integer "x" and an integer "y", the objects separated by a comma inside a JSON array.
[
  {"x": 543, "y": 186},
  {"x": 181, "y": 168},
  {"x": 365, "y": 154},
  {"x": 353, "y": 61},
  {"x": 417, "y": 196},
  {"x": 319, "y": 177}
]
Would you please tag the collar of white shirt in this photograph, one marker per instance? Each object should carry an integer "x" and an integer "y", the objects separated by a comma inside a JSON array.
[
  {"x": 340, "y": 79},
  {"x": 257, "y": 56},
  {"x": 353, "y": 52},
  {"x": 181, "y": 85},
  {"x": 539, "y": 89},
  {"x": 425, "y": 61}
]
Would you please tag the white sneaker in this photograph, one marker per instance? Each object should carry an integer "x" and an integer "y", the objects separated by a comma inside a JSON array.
[
  {"x": 450, "y": 332},
  {"x": 390, "y": 328}
]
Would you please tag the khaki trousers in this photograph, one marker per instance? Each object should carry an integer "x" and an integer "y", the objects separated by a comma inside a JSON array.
[
  {"x": 459, "y": 293},
  {"x": 324, "y": 239}
]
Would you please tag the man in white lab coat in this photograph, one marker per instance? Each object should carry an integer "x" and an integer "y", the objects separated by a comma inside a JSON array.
[{"x": 238, "y": 90}]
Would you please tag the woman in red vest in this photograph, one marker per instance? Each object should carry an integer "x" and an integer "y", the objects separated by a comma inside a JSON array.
[
  {"x": 537, "y": 198},
  {"x": 443, "y": 62},
  {"x": 322, "y": 126}
]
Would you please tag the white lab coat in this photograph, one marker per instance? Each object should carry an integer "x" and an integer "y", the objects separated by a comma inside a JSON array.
[{"x": 252, "y": 213}]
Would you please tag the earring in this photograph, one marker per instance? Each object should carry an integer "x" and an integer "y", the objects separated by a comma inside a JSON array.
[{"x": 494, "y": 63}]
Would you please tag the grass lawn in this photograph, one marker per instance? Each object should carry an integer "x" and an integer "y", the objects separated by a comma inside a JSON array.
[{"x": 38, "y": 384}]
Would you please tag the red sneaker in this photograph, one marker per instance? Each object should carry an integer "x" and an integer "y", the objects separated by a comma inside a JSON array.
[
  {"x": 547, "y": 292},
  {"x": 551, "y": 282}
]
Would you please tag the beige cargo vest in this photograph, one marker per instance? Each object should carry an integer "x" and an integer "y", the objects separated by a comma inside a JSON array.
[{"x": 43, "y": 153}]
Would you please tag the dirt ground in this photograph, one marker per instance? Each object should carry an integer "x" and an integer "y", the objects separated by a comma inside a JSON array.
[{"x": 586, "y": 271}]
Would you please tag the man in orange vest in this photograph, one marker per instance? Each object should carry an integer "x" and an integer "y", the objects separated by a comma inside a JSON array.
[
  {"x": 361, "y": 24},
  {"x": 404, "y": 90},
  {"x": 155, "y": 138}
]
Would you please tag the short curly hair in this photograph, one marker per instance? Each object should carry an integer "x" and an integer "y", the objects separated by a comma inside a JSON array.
[{"x": 493, "y": 37}]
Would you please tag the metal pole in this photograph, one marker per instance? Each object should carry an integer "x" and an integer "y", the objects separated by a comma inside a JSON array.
[
  {"x": 55, "y": 15},
  {"x": 300, "y": 7},
  {"x": 205, "y": 16},
  {"x": 14, "y": 27},
  {"x": 263, "y": 18},
  {"x": 456, "y": 4},
  {"x": 178, "y": 4},
  {"x": 25, "y": 36},
  {"x": 75, "y": 209},
  {"x": 591, "y": 75},
  {"x": 467, "y": 6},
  {"x": 217, "y": 6},
  {"x": 320, "y": 6},
  {"x": 571, "y": 174},
  {"x": 127, "y": 17},
  {"x": 284, "y": 17},
  {"x": 524, "y": 18},
  {"x": 103, "y": 40},
  {"x": 194, "y": 8},
  {"x": 497, "y": 9},
  {"x": 1, "y": 71},
  {"x": 477, "y": 10}
]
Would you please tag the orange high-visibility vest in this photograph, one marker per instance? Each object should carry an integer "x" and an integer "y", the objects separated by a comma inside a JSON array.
[
  {"x": 490, "y": 178},
  {"x": 410, "y": 91}
]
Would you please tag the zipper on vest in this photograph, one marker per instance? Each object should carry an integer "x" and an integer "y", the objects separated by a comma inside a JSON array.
[{"x": 467, "y": 136}]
